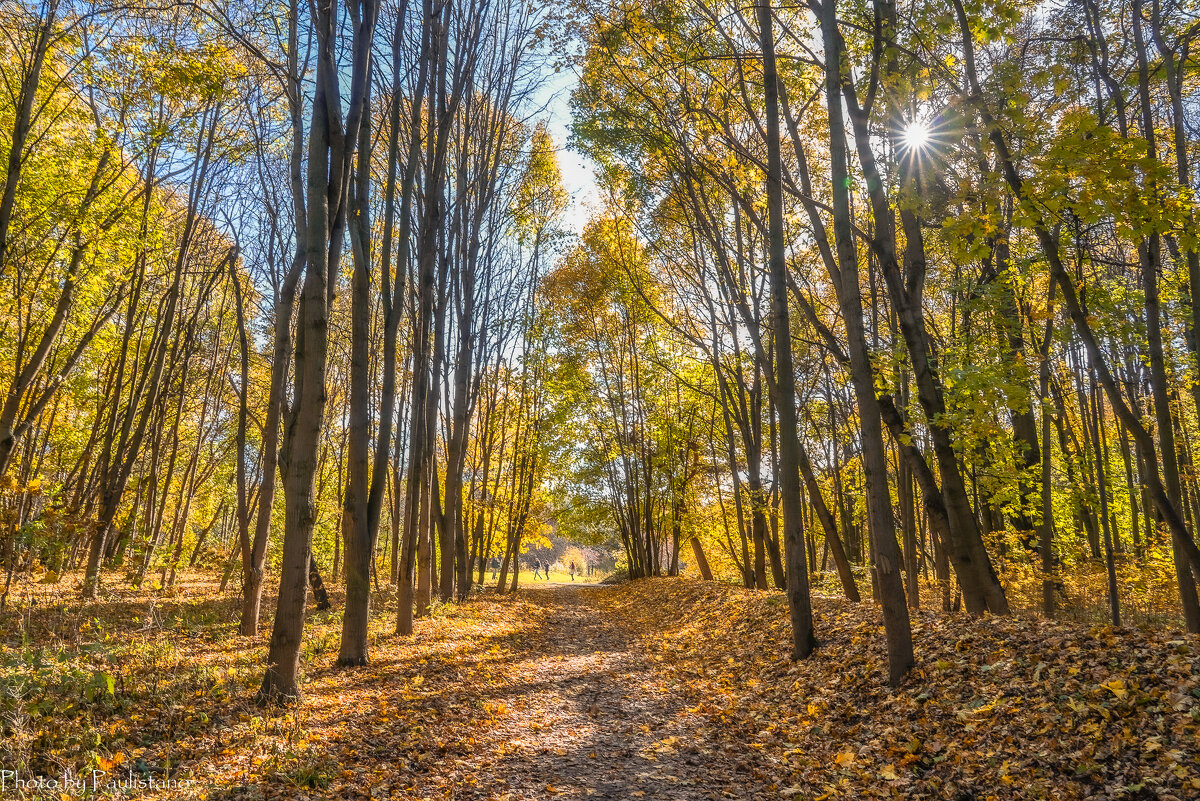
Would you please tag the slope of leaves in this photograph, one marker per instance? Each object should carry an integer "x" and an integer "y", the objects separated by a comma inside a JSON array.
[{"x": 995, "y": 708}]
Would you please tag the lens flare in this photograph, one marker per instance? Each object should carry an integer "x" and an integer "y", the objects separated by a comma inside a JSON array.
[{"x": 915, "y": 135}]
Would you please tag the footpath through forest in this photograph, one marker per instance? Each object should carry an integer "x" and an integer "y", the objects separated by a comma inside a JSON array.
[
  {"x": 659, "y": 689},
  {"x": 679, "y": 689},
  {"x": 581, "y": 709},
  {"x": 554, "y": 693}
]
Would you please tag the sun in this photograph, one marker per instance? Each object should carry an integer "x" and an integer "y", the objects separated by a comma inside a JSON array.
[{"x": 915, "y": 135}]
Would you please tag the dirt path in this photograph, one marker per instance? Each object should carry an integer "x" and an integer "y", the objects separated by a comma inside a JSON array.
[
  {"x": 588, "y": 714},
  {"x": 557, "y": 692}
]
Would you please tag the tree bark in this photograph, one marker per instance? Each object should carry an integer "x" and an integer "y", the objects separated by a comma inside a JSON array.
[
  {"x": 799, "y": 602},
  {"x": 886, "y": 557}
]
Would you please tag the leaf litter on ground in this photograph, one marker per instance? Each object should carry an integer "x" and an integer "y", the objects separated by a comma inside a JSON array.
[{"x": 658, "y": 688}]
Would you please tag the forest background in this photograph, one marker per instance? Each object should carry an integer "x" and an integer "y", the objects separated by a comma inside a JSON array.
[{"x": 886, "y": 300}]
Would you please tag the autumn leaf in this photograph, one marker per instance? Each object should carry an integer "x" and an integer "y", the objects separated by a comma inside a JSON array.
[{"x": 1117, "y": 688}]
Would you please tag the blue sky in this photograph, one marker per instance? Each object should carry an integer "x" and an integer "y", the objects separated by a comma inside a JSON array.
[{"x": 578, "y": 171}]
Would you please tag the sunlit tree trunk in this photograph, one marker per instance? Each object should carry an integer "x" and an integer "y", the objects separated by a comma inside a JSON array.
[
  {"x": 331, "y": 145},
  {"x": 886, "y": 556}
]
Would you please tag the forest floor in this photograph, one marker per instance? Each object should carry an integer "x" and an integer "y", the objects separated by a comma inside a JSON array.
[{"x": 657, "y": 689}]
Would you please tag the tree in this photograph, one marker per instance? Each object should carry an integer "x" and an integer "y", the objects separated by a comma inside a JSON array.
[{"x": 333, "y": 140}]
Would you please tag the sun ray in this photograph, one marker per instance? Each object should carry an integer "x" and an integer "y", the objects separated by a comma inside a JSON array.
[{"x": 916, "y": 135}]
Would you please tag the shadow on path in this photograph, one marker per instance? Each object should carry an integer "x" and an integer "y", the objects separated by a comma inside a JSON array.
[{"x": 590, "y": 715}]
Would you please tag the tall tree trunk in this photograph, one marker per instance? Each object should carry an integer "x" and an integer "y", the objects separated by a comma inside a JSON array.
[
  {"x": 331, "y": 147},
  {"x": 886, "y": 556},
  {"x": 357, "y": 530},
  {"x": 1046, "y": 529},
  {"x": 1150, "y": 254},
  {"x": 981, "y": 587},
  {"x": 799, "y": 602},
  {"x": 1097, "y": 420}
]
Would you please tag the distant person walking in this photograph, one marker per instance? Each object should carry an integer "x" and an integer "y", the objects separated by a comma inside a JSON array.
[
  {"x": 537, "y": 568},
  {"x": 495, "y": 567},
  {"x": 572, "y": 571}
]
